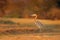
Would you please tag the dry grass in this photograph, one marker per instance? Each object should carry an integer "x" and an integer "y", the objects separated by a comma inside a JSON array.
[
  {"x": 24, "y": 20},
  {"x": 30, "y": 36}
]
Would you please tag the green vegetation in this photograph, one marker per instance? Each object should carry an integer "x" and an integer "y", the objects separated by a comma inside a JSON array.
[
  {"x": 6, "y": 22},
  {"x": 52, "y": 28}
]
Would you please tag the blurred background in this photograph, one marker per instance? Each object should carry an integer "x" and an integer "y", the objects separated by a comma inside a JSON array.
[{"x": 45, "y": 9}]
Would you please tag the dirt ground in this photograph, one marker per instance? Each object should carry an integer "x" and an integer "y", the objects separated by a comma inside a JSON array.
[
  {"x": 30, "y": 37},
  {"x": 28, "y": 20}
]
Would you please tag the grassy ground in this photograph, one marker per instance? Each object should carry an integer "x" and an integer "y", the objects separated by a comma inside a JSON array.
[{"x": 24, "y": 29}]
